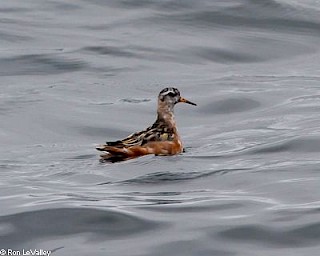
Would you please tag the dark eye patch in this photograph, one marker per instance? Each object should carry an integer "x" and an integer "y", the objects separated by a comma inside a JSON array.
[{"x": 164, "y": 90}]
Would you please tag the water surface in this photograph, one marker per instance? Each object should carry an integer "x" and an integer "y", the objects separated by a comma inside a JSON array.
[{"x": 75, "y": 74}]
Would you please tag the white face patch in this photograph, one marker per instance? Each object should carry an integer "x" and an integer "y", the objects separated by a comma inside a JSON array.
[{"x": 169, "y": 91}]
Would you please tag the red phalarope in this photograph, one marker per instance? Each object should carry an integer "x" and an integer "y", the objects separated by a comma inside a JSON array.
[{"x": 161, "y": 138}]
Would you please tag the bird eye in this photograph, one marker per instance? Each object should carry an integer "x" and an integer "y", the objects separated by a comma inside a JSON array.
[{"x": 171, "y": 94}]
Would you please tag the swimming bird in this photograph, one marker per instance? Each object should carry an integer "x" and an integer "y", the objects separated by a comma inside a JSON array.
[{"x": 161, "y": 138}]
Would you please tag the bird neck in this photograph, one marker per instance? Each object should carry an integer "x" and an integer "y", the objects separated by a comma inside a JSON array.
[{"x": 166, "y": 115}]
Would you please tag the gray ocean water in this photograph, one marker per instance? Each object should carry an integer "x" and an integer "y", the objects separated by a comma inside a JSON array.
[{"x": 75, "y": 74}]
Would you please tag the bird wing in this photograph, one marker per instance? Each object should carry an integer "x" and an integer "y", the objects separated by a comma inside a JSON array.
[{"x": 159, "y": 131}]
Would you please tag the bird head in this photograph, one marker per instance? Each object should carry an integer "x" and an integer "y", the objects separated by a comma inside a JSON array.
[{"x": 171, "y": 96}]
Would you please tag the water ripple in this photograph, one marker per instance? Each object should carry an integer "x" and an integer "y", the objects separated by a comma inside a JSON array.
[
  {"x": 39, "y": 64},
  {"x": 160, "y": 177},
  {"x": 284, "y": 237},
  {"x": 302, "y": 144},
  {"x": 97, "y": 224}
]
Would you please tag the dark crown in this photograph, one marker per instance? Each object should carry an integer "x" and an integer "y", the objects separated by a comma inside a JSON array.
[{"x": 170, "y": 91}]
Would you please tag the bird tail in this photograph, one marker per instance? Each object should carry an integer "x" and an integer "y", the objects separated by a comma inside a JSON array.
[
  {"x": 112, "y": 154},
  {"x": 115, "y": 154}
]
